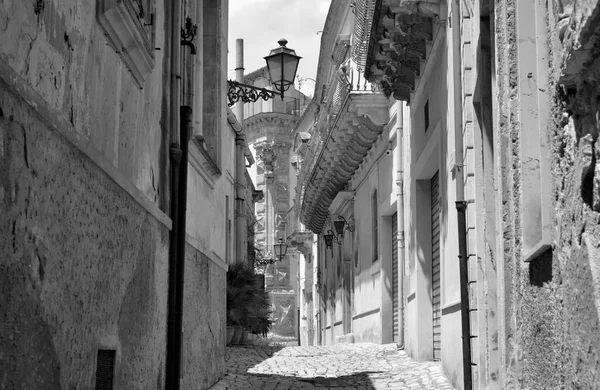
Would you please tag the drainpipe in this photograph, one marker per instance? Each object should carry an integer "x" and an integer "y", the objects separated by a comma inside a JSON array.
[
  {"x": 186, "y": 120},
  {"x": 241, "y": 225},
  {"x": 461, "y": 207},
  {"x": 173, "y": 357},
  {"x": 400, "y": 207}
]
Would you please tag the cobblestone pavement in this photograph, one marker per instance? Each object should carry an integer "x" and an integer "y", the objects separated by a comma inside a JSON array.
[{"x": 342, "y": 366}]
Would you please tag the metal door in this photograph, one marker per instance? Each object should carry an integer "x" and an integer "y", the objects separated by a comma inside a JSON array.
[
  {"x": 395, "y": 275},
  {"x": 435, "y": 266}
]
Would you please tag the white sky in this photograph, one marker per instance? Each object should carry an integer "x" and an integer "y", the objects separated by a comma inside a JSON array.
[{"x": 261, "y": 23}]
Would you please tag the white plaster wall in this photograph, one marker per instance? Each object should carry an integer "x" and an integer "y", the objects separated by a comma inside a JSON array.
[
  {"x": 427, "y": 152},
  {"x": 206, "y": 203},
  {"x": 206, "y": 219},
  {"x": 367, "y": 293}
]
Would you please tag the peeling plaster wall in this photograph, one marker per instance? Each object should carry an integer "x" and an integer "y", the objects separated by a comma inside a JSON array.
[
  {"x": 76, "y": 273},
  {"x": 550, "y": 336}
]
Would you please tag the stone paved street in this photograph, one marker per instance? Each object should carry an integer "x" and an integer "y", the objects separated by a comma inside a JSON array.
[{"x": 343, "y": 366}]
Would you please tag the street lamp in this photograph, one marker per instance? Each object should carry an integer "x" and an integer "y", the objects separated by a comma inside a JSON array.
[
  {"x": 342, "y": 224},
  {"x": 280, "y": 249},
  {"x": 282, "y": 63},
  {"x": 329, "y": 238}
]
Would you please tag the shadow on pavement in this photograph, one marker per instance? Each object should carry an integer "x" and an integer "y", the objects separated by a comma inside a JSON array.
[
  {"x": 240, "y": 358},
  {"x": 359, "y": 381}
]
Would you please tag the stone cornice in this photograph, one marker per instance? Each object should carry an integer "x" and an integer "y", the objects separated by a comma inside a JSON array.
[
  {"x": 357, "y": 127},
  {"x": 270, "y": 124}
]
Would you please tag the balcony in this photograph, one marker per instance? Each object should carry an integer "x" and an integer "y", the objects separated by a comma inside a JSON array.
[
  {"x": 296, "y": 233},
  {"x": 352, "y": 132},
  {"x": 400, "y": 43}
]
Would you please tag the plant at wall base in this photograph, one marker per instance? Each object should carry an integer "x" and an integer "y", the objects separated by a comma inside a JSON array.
[{"x": 248, "y": 303}]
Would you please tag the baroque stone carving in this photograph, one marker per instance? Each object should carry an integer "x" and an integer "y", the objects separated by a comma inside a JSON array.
[{"x": 129, "y": 28}]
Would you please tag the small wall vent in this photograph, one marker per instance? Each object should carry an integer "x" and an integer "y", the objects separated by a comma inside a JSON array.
[
  {"x": 105, "y": 369},
  {"x": 540, "y": 269}
]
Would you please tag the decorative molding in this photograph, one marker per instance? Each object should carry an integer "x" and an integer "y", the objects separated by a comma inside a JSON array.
[
  {"x": 366, "y": 313},
  {"x": 430, "y": 8},
  {"x": 124, "y": 23},
  {"x": 357, "y": 128},
  {"x": 201, "y": 161},
  {"x": 259, "y": 124},
  {"x": 451, "y": 307},
  {"x": 402, "y": 35}
]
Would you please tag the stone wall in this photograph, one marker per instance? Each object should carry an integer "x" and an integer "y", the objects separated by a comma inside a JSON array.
[
  {"x": 82, "y": 265},
  {"x": 59, "y": 50},
  {"x": 204, "y": 321},
  {"x": 551, "y": 319}
]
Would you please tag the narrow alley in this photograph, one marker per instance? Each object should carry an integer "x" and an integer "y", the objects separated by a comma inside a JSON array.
[
  {"x": 270, "y": 194},
  {"x": 341, "y": 366}
]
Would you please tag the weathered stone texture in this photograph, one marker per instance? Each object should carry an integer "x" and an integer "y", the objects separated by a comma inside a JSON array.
[
  {"x": 58, "y": 48},
  {"x": 553, "y": 331},
  {"x": 204, "y": 321},
  {"x": 82, "y": 265}
]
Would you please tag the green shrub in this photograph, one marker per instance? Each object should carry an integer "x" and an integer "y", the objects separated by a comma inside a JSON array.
[{"x": 248, "y": 303}]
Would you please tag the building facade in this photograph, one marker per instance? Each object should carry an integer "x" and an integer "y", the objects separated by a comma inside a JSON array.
[
  {"x": 116, "y": 149},
  {"x": 470, "y": 193},
  {"x": 269, "y": 126}
]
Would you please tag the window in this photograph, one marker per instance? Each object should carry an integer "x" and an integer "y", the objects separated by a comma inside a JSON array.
[
  {"x": 129, "y": 27},
  {"x": 105, "y": 369},
  {"x": 426, "y": 115},
  {"x": 212, "y": 101},
  {"x": 540, "y": 269},
  {"x": 325, "y": 253},
  {"x": 375, "y": 226},
  {"x": 227, "y": 231}
]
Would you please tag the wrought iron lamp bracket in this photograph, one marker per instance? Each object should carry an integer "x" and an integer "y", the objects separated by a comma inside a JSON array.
[{"x": 247, "y": 93}]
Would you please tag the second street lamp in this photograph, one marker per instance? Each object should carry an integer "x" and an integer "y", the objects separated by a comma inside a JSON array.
[
  {"x": 280, "y": 249},
  {"x": 282, "y": 63}
]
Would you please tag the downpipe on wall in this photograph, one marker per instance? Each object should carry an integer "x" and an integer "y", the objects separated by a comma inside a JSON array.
[
  {"x": 240, "y": 164},
  {"x": 398, "y": 156},
  {"x": 173, "y": 355},
  {"x": 177, "y": 263},
  {"x": 461, "y": 207}
]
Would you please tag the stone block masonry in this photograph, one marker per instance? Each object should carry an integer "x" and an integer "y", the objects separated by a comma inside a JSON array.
[{"x": 204, "y": 321}]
